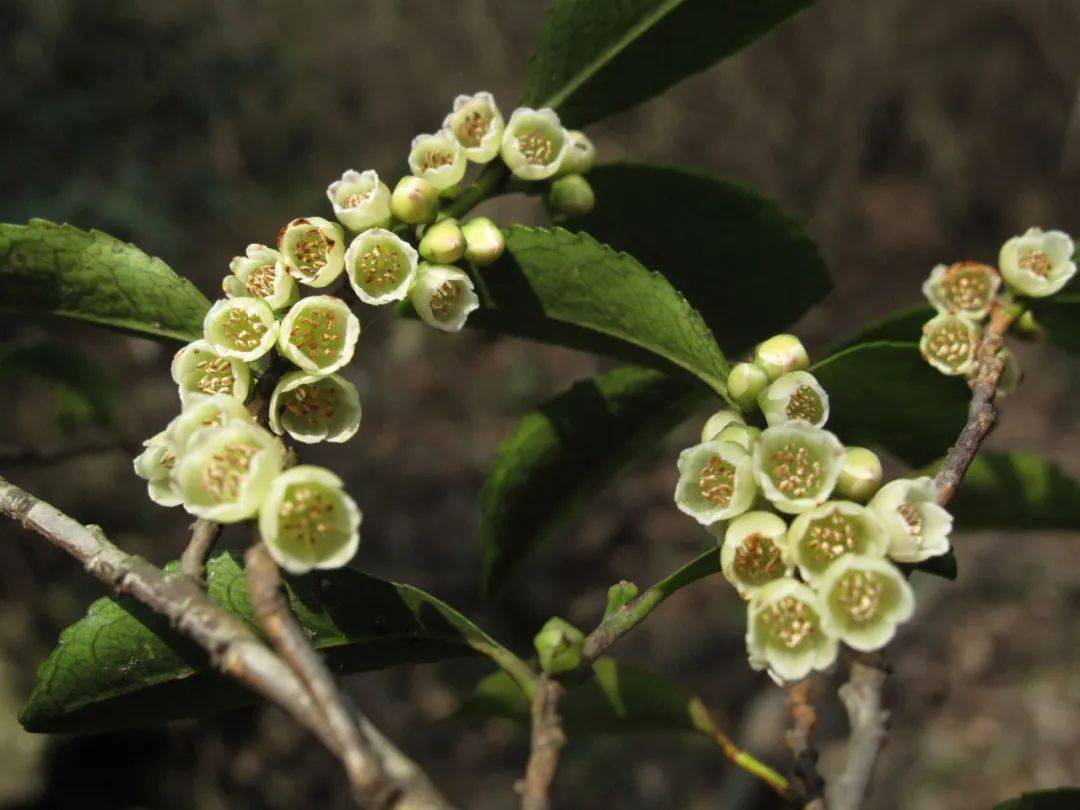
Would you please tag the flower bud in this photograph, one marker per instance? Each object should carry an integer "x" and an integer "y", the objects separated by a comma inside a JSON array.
[
  {"x": 198, "y": 369},
  {"x": 784, "y": 631},
  {"x": 439, "y": 159},
  {"x": 964, "y": 288},
  {"x": 381, "y": 266},
  {"x": 155, "y": 465},
  {"x": 244, "y": 328},
  {"x": 718, "y": 421},
  {"x": 745, "y": 382},
  {"x": 780, "y": 354},
  {"x": 319, "y": 334},
  {"x": 795, "y": 395},
  {"x": 753, "y": 553},
  {"x": 580, "y": 155},
  {"x": 1038, "y": 263},
  {"x": 484, "y": 242},
  {"x": 202, "y": 411},
  {"x": 831, "y": 530},
  {"x": 742, "y": 435},
  {"x": 314, "y": 250},
  {"x": 797, "y": 465},
  {"x": 262, "y": 273},
  {"x": 860, "y": 477},
  {"x": 443, "y": 242},
  {"x": 313, "y": 408},
  {"x": 948, "y": 344},
  {"x": 1011, "y": 373},
  {"x": 308, "y": 521},
  {"x": 570, "y": 197},
  {"x": 618, "y": 596},
  {"x": 443, "y": 297},
  {"x": 534, "y": 143},
  {"x": 360, "y": 200},
  {"x": 862, "y": 599},
  {"x": 559, "y": 645},
  {"x": 917, "y": 527},
  {"x": 716, "y": 482},
  {"x": 414, "y": 200},
  {"x": 477, "y": 125},
  {"x": 225, "y": 471}
]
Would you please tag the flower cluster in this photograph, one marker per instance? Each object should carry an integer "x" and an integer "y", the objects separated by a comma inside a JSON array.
[
  {"x": 286, "y": 329},
  {"x": 808, "y": 535},
  {"x": 1034, "y": 265}
]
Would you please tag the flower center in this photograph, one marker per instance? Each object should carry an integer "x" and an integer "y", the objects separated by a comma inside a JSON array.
[
  {"x": 216, "y": 376},
  {"x": 831, "y": 536},
  {"x": 861, "y": 594},
  {"x": 536, "y": 146},
  {"x": 717, "y": 481},
  {"x": 436, "y": 159},
  {"x": 966, "y": 289},
  {"x": 306, "y": 513},
  {"x": 794, "y": 472},
  {"x": 805, "y": 404},
  {"x": 758, "y": 559},
  {"x": 1037, "y": 262},
  {"x": 443, "y": 300},
  {"x": 789, "y": 620},
  {"x": 950, "y": 343},
  {"x": 473, "y": 127},
  {"x": 260, "y": 281},
  {"x": 913, "y": 518},
  {"x": 225, "y": 473},
  {"x": 357, "y": 198},
  {"x": 379, "y": 265},
  {"x": 312, "y": 403},
  {"x": 312, "y": 252},
  {"x": 244, "y": 329},
  {"x": 314, "y": 332}
]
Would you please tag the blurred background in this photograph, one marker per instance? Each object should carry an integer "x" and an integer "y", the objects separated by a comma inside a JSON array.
[{"x": 904, "y": 132}]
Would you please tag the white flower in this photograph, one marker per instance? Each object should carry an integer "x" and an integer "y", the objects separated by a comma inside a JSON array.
[
  {"x": 155, "y": 465},
  {"x": 319, "y": 334},
  {"x": 534, "y": 143},
  {"x": 716, "y": 482},
  {"x": 862, "y": 599},
  {"x": 308, "y": 521},
  {"x": 262, "y": 273},
  {"x": 964, "y": 288},
  {"x": 917, "y": 527},
  {"x": 360, "y": 200},
  {"x": 381, "y": 266},
  {"x": 244, "y": 328},
  {"x": 797, "y": 465},
  {"x": 198, "y": 369},
  {"x": 313, "y": 408},
  {"x": 477, "y": 125},
  {"x": 1038, "y": 263},
  {"x": 443, "y": 297},
  {"x": 784, "y": 631},
  {"x": 831, "y": 530},
  {"x": 202, "y": 411},
  {"x": 753, "y": 552},
  {"x": 314, "y": 250},
  {"x": 439, "y": 159},
  {"x": 795, "y": 395},
  {"x": 949, "y": 343}
]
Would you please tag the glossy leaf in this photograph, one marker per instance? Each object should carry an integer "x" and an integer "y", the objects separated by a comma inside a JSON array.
[
  {"x": 123, "y": 665},
  {"x": 560, "y": 455},
  {"x": 902, "y": 326},
  {"x": 745, "y": 265},
  {"x": 50, "y": 269},
  {"x": 597, "y": 57}
]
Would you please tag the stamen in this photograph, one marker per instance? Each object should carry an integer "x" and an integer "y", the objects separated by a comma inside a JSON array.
[
  {"x": 805, "y": 403},
  {"x": 794, "y": 472},
  {"x": 314, "y": 334},
  {"x": 913, "y": 518},
  {"x": 789, "y": 620},
  {"x": 967, "y": 288},
  {"x": 758, "y": 559},
  {"x": 435, "y": 159},
  {"x": 831, "y": 536},
  {"x": 950, "y": 343},
  {"x": 217, "y": 376},
  {"x": 473, "y": 127},
  {"x": 260, "y": 282},
  {"x": 860, "y": 592},
  {"x": 313, "y": 403},
  {"x": 224, "y": 475},
  {"x": 245, "y": 330},
  {"x": 356, "y": 199},
  {"x": 307, "y": 513},
  {"x": 443, "y": 300},
  {"x": 717, "y": 481},
  {"x": 312, "y": 252},
  {"x": 1037, "y": 262},
  {"x": 379, "y": 265},
  {"x": 536, "y": 146}
]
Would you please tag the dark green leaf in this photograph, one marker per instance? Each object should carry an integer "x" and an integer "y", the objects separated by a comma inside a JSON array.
[
  {"x": 567, "y": 450},
  {"x": 123, "y": 666},
  {"x": 1059, "y": 316},
  {"x": 549, "y": 280},
  {"x": 596, "y": 57},
  {"x": 84, "y": 391},
  {"x": 1062, "y": 798},
  {"x": 745, "y": 265},
  {"x": 903, "y": 326},
  {"x": 59, "y": 270},
  {"x": 944, "y": 566},
  {"x": 885, "y": 394}
]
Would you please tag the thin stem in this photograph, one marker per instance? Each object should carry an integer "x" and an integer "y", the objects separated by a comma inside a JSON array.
[
  {"x": 798, "y": 739},
  {"x": 547, "y": 741},
  {"x": 204, "y": 534},
  {"x": 493, "y": 176}
]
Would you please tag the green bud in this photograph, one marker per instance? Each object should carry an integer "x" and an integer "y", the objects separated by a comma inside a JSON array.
[
  {"x": 559, "y": 646},
  {"x": 742, "y": 435},
  {"x": 860, "y": 477},
  {"x": 619, "y": 595},
  {"x": 414, "y": 200},
  {"x": 443, "y": 242},
  {"x": 745, "y": 382},
  {"x": 1011, "y": 373},
  {"x": 570, "y": 197},
  {"x": 314, "y": 250},
  {"x": 484, "y": 242},
  {"x": 718, "y": 421},
  {"x": 780, "y": 354},
  {"x": 580, "y": 155}
]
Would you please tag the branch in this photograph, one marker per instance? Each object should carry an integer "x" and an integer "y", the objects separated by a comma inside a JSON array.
[
  {"x": 234, "y": 649},
  {"x": 547, "y": 741},
  {"x": 797, "y": 738},
  {"x": 861, "y": 697},
  {"x": 204, "y": 534}
]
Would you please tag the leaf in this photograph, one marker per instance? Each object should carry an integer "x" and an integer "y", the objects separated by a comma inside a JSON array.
[
  {"x": 53, "y": 269},
  {"x": 1062, "y": 798},
  {"x": 745, "y": 265},
  {"x": 550, "y": 279},
  {"x": 563, "y": 453},
  {"x": 902, "y": 325},
  {"x": 1059, "y": 316},
  {"x": 884, "y": 394},
  {"x": 123, "y": 665},
  {"x": 83, "y": 390},
  {"x": 597, "y": 57}
]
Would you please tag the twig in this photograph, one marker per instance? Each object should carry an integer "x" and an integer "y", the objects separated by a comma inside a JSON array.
[
  {"x": 204, "y": 534},
  {"x": 861, "y": 697},
  {"x": 233, "y": 648},
  {"x": 547, "y": 741},
  {"x": 703, "y": 722},
  {"x": 797, "y": 738}
]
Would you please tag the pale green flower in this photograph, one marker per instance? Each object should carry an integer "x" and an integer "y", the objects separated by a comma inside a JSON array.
[
  {"x": 753, "y": 553},
  {"x": 308, "y": 521},
  {"x": 743, "y": 435},
  {"x": 795, "y": 395},
  {"x": 862, "y": 599},
  {"x": 718, "y": 421},
  {"x": 917, "y": 527},
  {"x": 198, "y": 369},
  {"x": 780, "y": 354},
  {"x": 244, "y": 328},
  {"x": 477, "y": 125},
  {"x": 443, "y": 297},
  {"x": 261, "y": 273},
  {"x": 155, "y": 465},
  {"x": 860, "y": 477},
  {"x": 314, "y": 250},
  {"x": 1039, "y": 263},
  {"x": 361, "y": 200},
  {"x": 439, "y": 159},
  {"x": 319, "y": 334},
  {"x": 964, "y": 288},
  {"x": 797, "y": 465},
  {"x": 949, "y": 343},
  {"x": 785, "y": 632},
  {"x": 381, "y": 266},
  {"x": 534, "y": 143},
  {"x": 831, "y": 530},
  {"x": 202, "y": 411},
  {"x": 716, "y": 482},
  {"x": 313, "y": 408},
  {"x": 559, "y": 646},
  {"x": 580, "y": 155}
]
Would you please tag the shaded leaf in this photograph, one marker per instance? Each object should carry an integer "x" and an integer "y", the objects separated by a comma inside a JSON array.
[
  {"x": 123, "y": 665},
  {"x": 53, "y": 269},
  {"x": 1059, "y": 316},
  {"x": 745, "y": 265},
  {"x": 560, "y": 455},
  {"x": 902, "y": 326},
  {"x": 596, "y": 57},
  {"x": 1062, "y": 798}
]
